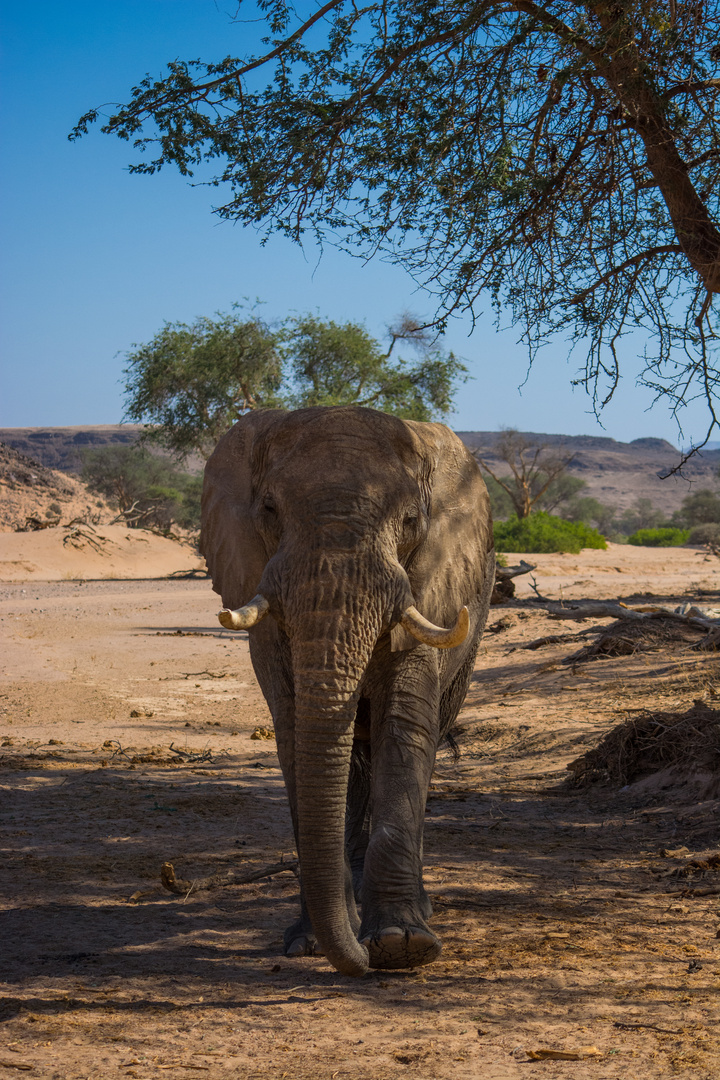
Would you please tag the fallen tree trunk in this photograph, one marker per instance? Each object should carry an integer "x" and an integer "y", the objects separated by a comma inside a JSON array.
[{"x": 504, "y": 588}]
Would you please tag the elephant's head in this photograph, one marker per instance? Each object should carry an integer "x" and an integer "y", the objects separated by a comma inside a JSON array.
[{"x": 341, "y": 525}]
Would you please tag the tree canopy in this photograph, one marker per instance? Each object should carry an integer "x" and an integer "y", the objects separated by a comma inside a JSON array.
[
  {"x": 341, "y": 364},
  {"x": 191, "y": 382},
  {"x": 561, "y": 157}
]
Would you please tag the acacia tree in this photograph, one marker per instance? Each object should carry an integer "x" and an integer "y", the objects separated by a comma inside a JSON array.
[
  {"x": 534, "y": 471},
  {"x": 560, "y": 156},
  {"x": 192, "y": 381}
]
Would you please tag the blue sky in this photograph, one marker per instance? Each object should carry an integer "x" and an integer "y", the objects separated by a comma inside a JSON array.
[{"x": 96, "y": 260}]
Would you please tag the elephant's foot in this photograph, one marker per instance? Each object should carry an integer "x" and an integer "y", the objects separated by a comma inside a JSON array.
[
  {"x": 299, "y": 940},
  {"x": 402, "y": 947}
]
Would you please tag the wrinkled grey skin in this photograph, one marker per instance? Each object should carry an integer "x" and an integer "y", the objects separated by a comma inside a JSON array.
[{"x": 342, "y": 518}]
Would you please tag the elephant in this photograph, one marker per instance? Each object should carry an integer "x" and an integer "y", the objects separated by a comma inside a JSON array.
[{"x": 356, "y": 548}]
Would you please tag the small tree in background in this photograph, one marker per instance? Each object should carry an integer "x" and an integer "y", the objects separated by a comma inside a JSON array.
[
  {"x": 643, "y": 514},
  {"x": 591, "y": 511},
  {"x": 700, "y": 508},
  {"x": 341, "y": 364},
  {"x": 148, "y": 490},
  {"x": 533, "y": 470}
]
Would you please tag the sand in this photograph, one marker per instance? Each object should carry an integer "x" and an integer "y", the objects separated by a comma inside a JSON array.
[
  {"x": 126, "y": 723},
  {"x": 91, "y": 552}
]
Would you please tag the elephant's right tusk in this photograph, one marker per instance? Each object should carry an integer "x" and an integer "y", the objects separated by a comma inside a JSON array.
[
  {"x": 245, "y": 617},
  {"x": 429, "y": 634}
]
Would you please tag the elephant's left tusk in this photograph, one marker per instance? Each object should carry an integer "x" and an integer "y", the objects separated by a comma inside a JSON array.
[
  {"x": 245, "y": 617},
  {"x": 429, "y": 634}
]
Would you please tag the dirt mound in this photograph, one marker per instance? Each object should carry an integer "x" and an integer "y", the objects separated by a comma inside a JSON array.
[
  {"x": 81, "y": 551},
  {"x": 33, "y": 497},
  {"x": 682, "y": 747}
]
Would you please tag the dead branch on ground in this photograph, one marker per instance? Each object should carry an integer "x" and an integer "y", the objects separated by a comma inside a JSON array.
[
  {"x": 690, "y": 615},
  {"x": 193, "y": 755},
  {"x": 181, "y": 887}
]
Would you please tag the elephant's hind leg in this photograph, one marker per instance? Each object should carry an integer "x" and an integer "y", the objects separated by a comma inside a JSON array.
[{"x": 357, "y": 818}]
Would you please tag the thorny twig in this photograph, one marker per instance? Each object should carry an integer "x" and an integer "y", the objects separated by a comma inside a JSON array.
[
  {"x": 193, "y": 755},
  {"x": 534, "y": 586}
]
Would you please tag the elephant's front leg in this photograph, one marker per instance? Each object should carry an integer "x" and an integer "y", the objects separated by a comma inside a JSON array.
[
  {"x": 299, "y": 938},
  {"x": 395, "y": 906}
]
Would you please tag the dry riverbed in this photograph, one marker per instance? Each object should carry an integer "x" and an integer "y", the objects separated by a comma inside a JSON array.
[{"x": 573, "y": 947}]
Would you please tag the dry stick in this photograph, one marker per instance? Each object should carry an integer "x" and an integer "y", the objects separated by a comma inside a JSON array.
[
  {"x": 652, "y": 1027},
  {"x": 210, "y": 674},
  {"x": 541, "y": 599},
  {"x": 231, "y": 877}
]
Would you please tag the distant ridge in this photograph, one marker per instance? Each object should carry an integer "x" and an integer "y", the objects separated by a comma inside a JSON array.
[
  {"x": 59, "y": 447},
  {"x": 616, "y": 473},
  {"x": 573, "y": 442}
]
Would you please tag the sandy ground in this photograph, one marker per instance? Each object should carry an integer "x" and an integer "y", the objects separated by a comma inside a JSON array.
[
  {"x": 87, "y": 552},
  {"x": 126, "y": 717}
]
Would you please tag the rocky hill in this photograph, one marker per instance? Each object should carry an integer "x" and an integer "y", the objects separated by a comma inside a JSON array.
[
  {"x": 59, "y": 447},
  {"x": 617, "y": 473},
  {"x": 33, "y": 496}
]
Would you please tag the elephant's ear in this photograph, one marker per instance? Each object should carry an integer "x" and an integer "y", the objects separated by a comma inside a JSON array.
[
  {"x": 452, "y": 565},
  {"x": 233, "y": 550}
]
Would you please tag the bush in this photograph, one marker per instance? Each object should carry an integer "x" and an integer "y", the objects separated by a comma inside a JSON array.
[
  {"x": 659, "y": 537},
  {"x": 541, "y": 532},
  {"x": 150, "y": 490},
  {"x": 709, "y": 533},
  {"x": 702, "y": 508}
]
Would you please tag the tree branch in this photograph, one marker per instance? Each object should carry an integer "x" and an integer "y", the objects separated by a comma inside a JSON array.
[
  {"x": 203, "y": 88},
  {"x": 691, "y": 84},
  {"x": 663, "y": 249}
]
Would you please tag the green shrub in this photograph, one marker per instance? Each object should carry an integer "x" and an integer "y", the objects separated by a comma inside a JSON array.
[
  {"x": 702, "y": 508},
  {"x": 709, "y": 533},
  {"x": 148, "y": 489},
  {"x": 659, "y": 537},
  {"x": 541, "y": 532}
]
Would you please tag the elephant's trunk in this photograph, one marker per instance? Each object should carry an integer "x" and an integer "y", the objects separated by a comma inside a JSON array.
[
  {"x": 323, "y": 744},
  {"x": 332, "y": 639}
]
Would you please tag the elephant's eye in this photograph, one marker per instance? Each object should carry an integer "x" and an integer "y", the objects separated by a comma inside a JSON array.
[
  {"x": 410, "y": 519},
  {"x": 269, "y": 504}
]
